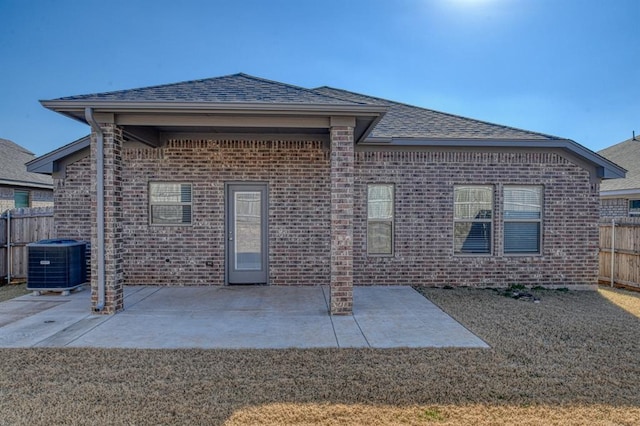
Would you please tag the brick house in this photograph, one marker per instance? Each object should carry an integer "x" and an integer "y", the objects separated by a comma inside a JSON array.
[
  {"x": 621, "y": 197},
  {"x": 19, "y": 187},
  {"x": 237, "y": 179}
]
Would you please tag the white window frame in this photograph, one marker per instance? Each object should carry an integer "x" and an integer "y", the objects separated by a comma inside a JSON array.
[
  {"x": 506, "y": 220},
  {"x": 634, "y": 212},
  {"x": 490, "y": 220},
  {"x": 389, "y": 221},
  {"x": 153, "y": 203}
]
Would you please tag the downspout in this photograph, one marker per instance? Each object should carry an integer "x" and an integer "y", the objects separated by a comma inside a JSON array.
[{"x": 88, "y": 114}]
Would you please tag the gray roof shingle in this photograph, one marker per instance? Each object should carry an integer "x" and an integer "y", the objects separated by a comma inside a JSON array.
[
  {"x": 407, "y": 121},
  {"x": 401, "y": 120},
  {"x": 13, "y": 170},
  {"x": 398, "y": 123},
  {"x": 627, "y": 155},
  {"x": 240, "y": 88}
]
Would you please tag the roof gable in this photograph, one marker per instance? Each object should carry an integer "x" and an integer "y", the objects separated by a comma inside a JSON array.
[
  {"x": 7, "y": 144},
  {"x": 46, "y": 163},
  {"x": 13, "y": 170},
  {"x": 235, "y": 88}
]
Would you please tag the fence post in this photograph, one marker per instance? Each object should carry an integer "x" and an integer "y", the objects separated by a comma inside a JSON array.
[
  {"x": 613, "y": 249},
  {"x": 8, "y": 247}
]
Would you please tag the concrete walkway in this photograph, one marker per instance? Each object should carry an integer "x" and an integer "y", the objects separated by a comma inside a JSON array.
[{"x": 232, "y": 317}]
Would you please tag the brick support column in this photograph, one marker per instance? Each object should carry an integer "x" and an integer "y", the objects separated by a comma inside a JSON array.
[
  {"x": 114, "y": 296},
  {"x": 342, "y": 167}
]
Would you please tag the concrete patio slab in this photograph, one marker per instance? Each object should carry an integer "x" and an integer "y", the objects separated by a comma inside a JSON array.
[{"x": 233, "y": 317}]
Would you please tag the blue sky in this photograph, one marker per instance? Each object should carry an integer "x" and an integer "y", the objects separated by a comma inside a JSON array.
[{"x": 570, "y": 68}]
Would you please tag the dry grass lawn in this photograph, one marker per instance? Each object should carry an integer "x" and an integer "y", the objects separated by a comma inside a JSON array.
[
  {"x": 9, "y": 291},
  {"x": 572, "y": 359}
]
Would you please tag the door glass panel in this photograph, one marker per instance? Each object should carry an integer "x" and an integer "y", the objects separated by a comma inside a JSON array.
[{"x": 248, "y": 231}]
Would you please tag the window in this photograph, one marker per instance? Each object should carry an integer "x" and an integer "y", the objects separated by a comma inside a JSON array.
[
  {"x": 21, "y": 198},
  {"x": 634, "y": 207},
  {"x": 380, "y": 219},
  {"x": 473, "y": 215},
  {"x": 169, "y": 203},
  {"x": 522, "y": 219}
]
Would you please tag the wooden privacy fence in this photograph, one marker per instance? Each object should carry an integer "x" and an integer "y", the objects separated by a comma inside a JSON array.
[
  {"x": 24, "y": 226},
  {"x": 620, "y": 252}
]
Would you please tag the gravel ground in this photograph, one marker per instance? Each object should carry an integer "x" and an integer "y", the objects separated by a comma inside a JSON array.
[{"x": 570, "y": 359}]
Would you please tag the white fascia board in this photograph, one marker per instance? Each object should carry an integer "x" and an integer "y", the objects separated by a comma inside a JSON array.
[
  {"x": 619, "y": 193},
  {"x": 21, "y": 183},
  {"x": 230, "y": 107}
]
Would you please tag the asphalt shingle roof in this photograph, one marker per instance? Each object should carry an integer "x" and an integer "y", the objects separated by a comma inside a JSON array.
[
  {"x": 241, "y": 88},
  {"x": 12, "y": 166},
  {"x": 397, "y": 120},
  {"x": 400, "y": 121},
  {"x": 627, "y": 155},
  {"x": 407, "y": 121}
]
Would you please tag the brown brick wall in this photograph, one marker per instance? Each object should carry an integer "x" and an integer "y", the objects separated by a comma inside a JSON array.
[
  {"x": 424, "y": 184},
  {"x": 6, "y": 204},
  {"x": 614, "y": 207},
  {"x": 37, "y": 197},
  {"x": 41, "y": 197},
  {"x": 342, "y": 202},
  {"x": 114, "y": 248},
  {"x": 298, "y": 175},
  {"x": 72, "y": 196}
]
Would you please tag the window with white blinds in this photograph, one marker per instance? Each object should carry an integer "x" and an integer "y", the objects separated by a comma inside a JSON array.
[
  {"x": 522, "y": 219},
  {"x": 473, "y": 219},
  {"x": 169, "y": 203},
  {"x": 380, "y": 219}
]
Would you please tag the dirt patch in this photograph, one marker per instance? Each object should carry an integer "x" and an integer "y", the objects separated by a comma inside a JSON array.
[{"x": 570, "y": 359}]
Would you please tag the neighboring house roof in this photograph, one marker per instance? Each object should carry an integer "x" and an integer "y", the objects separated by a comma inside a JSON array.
[
  {"x": 13, "y": 170},
  {"x": 627, "y": 155},
  {"x": 378, "y": 121}
]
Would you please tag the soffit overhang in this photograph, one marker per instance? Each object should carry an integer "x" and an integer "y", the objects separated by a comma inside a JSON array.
[{"x": 163, "y": 116}]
